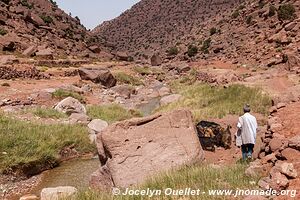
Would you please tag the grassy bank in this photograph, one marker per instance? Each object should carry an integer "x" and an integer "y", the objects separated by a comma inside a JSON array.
[
  {"x": 111, "y": 113},
  {"x": 204, "y": 178},
  {"x": 24, "y": 142},
  {"x": 216, "y": 102}
]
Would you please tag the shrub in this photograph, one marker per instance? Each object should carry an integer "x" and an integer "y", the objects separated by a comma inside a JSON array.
[
  {"x": 235, "y": 14},
  {"x": 111, "y": 113},
  {"x": 286, "y": 12},
  {"x": 26, "y": 4},
  {"x": 206, "y": 45},
  {"x": 192, "y": 50},
  {"x": 53, "y": 3},
  {"x": 47, "y": 19},
  {"x": 61, "y": 94},
  {"x": 3, "y": 31},
  {"x": 173, "y": 51},
  {"x": 272, "y": 10},
  {"x": 127, "y": 79},
  {"x": 249, "y": 19},
  {"x": 213, "y": 31}
]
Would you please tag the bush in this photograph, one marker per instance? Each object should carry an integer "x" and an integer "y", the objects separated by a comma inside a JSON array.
[
  {"x": 53, "y": 3},
  {"x": 111, "y": 113},
  {"x": 206, "y": 45},
  {"x": 235, "y": 14},
  {"x": 213, "y": 31},
  {"x": 272, "y": 10},
  {"x": 26, "y": 4},
  {"x": 249, "y": 19},
  {"x": 47, "y": 19},
  {"x": 286, "y": 12},
  {"x": 127, "y": 79},
  {"x": 173, "y": 51},
  {"x": 3, "y": 31},
  {"x": 192, "y": 50},
  {"x": 61, "y": 94}
]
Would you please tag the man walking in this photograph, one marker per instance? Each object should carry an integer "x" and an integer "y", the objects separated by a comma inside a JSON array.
[{"x": 247, "y": 129}]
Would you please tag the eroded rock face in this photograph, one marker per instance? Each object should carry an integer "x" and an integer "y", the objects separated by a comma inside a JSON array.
[
  {"x": 96, "y": 75},
  {"x": 133, "y": 150}
]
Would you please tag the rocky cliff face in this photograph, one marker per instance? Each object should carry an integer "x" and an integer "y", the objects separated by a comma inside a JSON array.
[
  {"x": 256, "y": 32},
  {"x": 39, "y": 24}
]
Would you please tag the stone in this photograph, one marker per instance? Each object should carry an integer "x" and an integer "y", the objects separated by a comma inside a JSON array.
[
  {"x": 95, "y": 49},
  {"x": 294, "y": 142},
  {"x": 164, "y": 91},
  {"x": 275, "y": 127},
  {"x": 29, "y": 51},
  {"x": 264, "y": 183},
  {"x": 291, "y": 155},
  {"x": 290, "y": 26},
  {"x": 63, "y": 192},
  {"x": 183, "y": 68},
  {"x": 80, "y": 118},
  {"x": 70, "y": 105},
  {"x": 275, "y": 144},
  {"x": 29, "y": 197},
  {"x": 139, "y": 148},
  {"x": 101, "y": 179},
  {"x": 287, "y": 169},
  {"x": 280, "y": 105},
  {"x": 44, "y": 54},
  {"x": 124, "y": 91},
  {"x": 170, "y": 99},
  {"x": 278, "y": 181},
  {"x": 97, "y": 125},
  {"x": 271, "y": 158},
  {"x": 256, "y": 169},
  {"x": 156, "y": 60},
  {"x": 98, "y": 75}
]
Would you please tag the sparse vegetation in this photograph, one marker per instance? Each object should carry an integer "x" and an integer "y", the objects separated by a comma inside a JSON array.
[
  {"x": 286, "y": 12},
  {"x": 192, "y": 50},
  {"x": 206, "y": 45},
  {"x": 142, "y": 70},
  {"x": 200, "y": 177},
  {"x": 47, "y": 19},
  {"x": 211, "y": 102},
  {"x": 48, "y": 113},
  {"x": 213, "y": 30},
  {"x": 25, "y": 142},
  {"x": 5, "y": 85},
  {"x": 235, "y": 14},
  {"x": 3, "y": 31},
  {"x": 26, "y": 4},
  {"x": 61, "y": 94},
  {"x": 172, "y": 51},
  {"x": 124, "y": 78},
  {"x": 111, "y": 113},
  {"x": 272, "y": 10}
]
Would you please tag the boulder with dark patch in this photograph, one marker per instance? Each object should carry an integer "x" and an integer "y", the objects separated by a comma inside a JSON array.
[{"x": 212, "y": 134}]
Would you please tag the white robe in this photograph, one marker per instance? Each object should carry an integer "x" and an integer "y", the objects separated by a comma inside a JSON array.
[{"x": 248, "y": 126}]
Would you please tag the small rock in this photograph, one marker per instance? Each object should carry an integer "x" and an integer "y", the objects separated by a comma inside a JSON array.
[
  {"x": 276, "y": 127},
  {"x": 70, "y": 105},
  {"x": 295, "y": 142},
  {"x": 65, "y": 192},
  {"x": 264, "y": 183},
  {"x": 280, "y": 105},
  {"x": 97, "y": 125},
  {"x": 287, "y": 169},
  {"x": 170, "y": 99},
  {"x": 29, "y": 197},
  {"x": 279, "y": 181},
  {"x": 275, "y": 144},
  {"x": 79, "y": 118}
]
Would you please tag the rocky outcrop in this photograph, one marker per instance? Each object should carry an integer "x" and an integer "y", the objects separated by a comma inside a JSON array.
[
  {"x": 98, "y": 75},
  {"x": 70, "y": 105},
  {"x": 170, "y": 99},
  {"x": 131, "y": 151}
]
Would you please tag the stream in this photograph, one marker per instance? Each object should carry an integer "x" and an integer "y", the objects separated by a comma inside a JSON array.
[{"x": 77, "y": 172}]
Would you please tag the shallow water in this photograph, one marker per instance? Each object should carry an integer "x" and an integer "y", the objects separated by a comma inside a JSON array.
[{"x": 74, "y": 173}]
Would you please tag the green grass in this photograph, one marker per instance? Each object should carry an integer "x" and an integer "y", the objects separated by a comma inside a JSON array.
[
  {"x": 61, "y": 94},
  {"x": 124, "y": 78},
  {"x": 26, "y": 142},
  {"x": 48, "y": 113},
  {"x": 216, "y": 102},
  {"x": 111, "y": 113},
  {"x": 143, "y": 70},
  {"x": 200, "y": 177}
]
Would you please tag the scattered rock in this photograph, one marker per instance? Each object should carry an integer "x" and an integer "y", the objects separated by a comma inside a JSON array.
[
  {"x": 278, "y": 181},
  {"x": 45, "y": 54},
  {"x": 295, "y": 142},
  {"x": 256, "y": 169},
  {"x": 275, "y": 144},
  {"x": 30, "y": 51},
  {"x": 170, "y": 99},
  {"x": 97, "y": 125},
  {"x": 79, "y": 118},
  {"x": 291, "y": 154},
  {"x": 57, "y": 193},
  {"x": 164, "y": 91},
  {"x": 124, "y": 91},
  {"x": 280, "y": 105},
  {"x": 156, "y": 60},
  {"x": 70, "y": 105},
  {"x": 287, "y": 169}
]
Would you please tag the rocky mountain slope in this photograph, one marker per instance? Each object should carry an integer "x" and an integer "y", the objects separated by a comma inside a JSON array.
[
  {"x": 39, "y": 26},
  {"x": 246, "y": 32}
]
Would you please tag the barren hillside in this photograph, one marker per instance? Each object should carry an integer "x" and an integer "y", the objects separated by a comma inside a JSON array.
[{"x": 28, "y": 23}]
